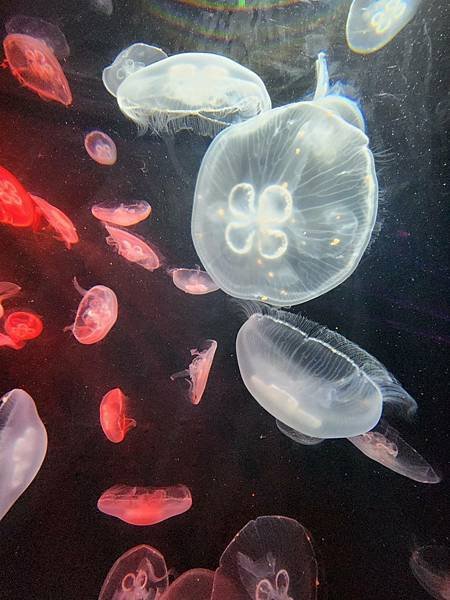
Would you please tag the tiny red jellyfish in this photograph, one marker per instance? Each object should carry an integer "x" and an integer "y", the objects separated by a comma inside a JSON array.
[
  {"x": 198, "y": 371},
  {"x": 59, "y": 221},
  {"x": 145, "y": 505},
  {"x": 100, "y": 148},
  {"x": 5, "y": 340},
  {"x": 7, "y": 290},
  {"x": 122, "y": 214},
  {"x": 23, "y": 325},
  {"x": 133, "y": 248},
  {"x": 16, "y": 205},
  {"x": 34, "y": 64},
  {"x": 96, "y": 314},
  {"x": 196, "y": 584},
  {"x": 114, "y": 422},
  {"x": 193, "y": 281}
]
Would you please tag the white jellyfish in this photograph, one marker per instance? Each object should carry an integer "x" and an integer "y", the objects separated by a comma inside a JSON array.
[
  {"x": 371, "y": 24},
  {"x": 312, "y": 379},
  {"x": 285, "y": 204},
  {"x": 199, "y": 91}
]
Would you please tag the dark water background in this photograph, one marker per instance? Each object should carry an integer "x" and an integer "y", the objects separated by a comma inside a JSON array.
[{"x": 365, "y": 520}]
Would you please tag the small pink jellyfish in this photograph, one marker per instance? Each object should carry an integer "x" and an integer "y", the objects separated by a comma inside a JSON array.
[
  {"x": 198, "y": 371},
  {"x": 57, "y": 220},
  {"x": 7, "y": 290},
  {"x": 133, "y": 248},
  {"x": 140, "y": 573},
  {"x": 100, "y": 148},
  {"x": 7, "y": 341},
  {"x": 23, "y": 325},
  {"x": 122, "y": 214},
  {"x": 196, "y": 584},
  {"x": 114, "y": 422},
  {"x": 145, "y": 505},
  {"x": 193, "y": 281},
  {"x": 96, "y": 314},
  {"x": 16, "y": 206}
]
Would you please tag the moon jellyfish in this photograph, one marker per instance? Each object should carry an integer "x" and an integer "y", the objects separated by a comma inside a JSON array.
[
  {"x": 122, "y": 214},
  {"x": 431, "y": 567},
  {"x": 100, "y": 148},
  {"x": 16, "y": 205},
  {"x": 313, "y": 379},
  {"x": 96, "y": 314},
  {"x": 32, "y": 48},
  {"x": 22, "y": 326},
  {"x": 139, "y": 574},
  {"x": 371, "y": 24},
  {"x": 23, "y": 445},
  {"x": 133, "y": 248},
  {"x": 7, "y": 290},
  {"x": 387, "y": 447},
  {"x": 59, "y": 221},
  {"x": 114, "y": 422},
  {"x": 145, "y": 505},
  {"x": 198, "y": 91},
  {"x": 193, "y": 281},
  {"x": 132, "y": 59},
  {"x": 198, "y": 371},
  {"x": 285, "y": 204},
  {"x": 195, "y": 584},
  {"x": 296, "y": 436},
  {"x": 270, "y": 558}
]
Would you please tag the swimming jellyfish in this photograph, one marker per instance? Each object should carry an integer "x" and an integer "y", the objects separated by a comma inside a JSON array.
[
  {"x": 431, "y": 567},
  {"x": 16, "y": 206},
  {"x": 57, "y": 219},
  {"x": 133, "y": 248},
  {"x": 145, "y": 505},
  {"x": 285, "y": 204},
  {"x": 122, "y": 214},
  {"x": 371, "y": 24},
  {"x": 7, "y": 290},
  {"x": 139, "y": 574},
  {"x": 312, "y": 379},
  {"x": 132, "y": 59},
  {"x": 100, "y": 148},
  {"x": 198, "y": 371},
  {"x": 23, "y": 325},
  {"x": 114, "y": 422},
  {"x": 23, "y": 445},
  {"x": 193, "y": 281},
  {"x": 387, "y": 447},
  {"x": 199, "y": 91},
  {"x": 96, "y": 313},
  {"x": 270, "y": 558},
  {"x": 195, "y": 584},
  {"x": 103, "y": 6},
  {"x": 31, "y": 50}
]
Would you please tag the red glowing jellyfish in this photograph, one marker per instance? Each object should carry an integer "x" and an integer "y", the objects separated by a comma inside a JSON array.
[
  {"x": 145, "y": 505},
  {"x": 16, "y": 205},
  {"x": 196, "y": 584},
  {"x": 139, "y": 574},
  {"x": 57, "y": 220},
  {"x": 22, "y": 326},
  {"x": 100, "y": 148},
  {"x": 113, "y": 419},
  {"x": 96, "y": 314},
  {"x": 7, "y": 290},
  {"x": 122, "y": 214},
  {"x": 198, "y": 371},
  {"x": 133, "y": 248},
  {"x": 34, "y": 64},
  {"x": 193, "y": 281}
]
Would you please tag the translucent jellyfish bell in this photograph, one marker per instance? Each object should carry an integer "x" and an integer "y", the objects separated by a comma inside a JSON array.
[
  {"x": 285, "y": 204},
  {"x": 371, "y": 24},
  {"x": 312, "y": 379},
  {"x": 42, "y": 30},
  {"x": 195, "y": 584},
  {"x": 7, "y": 290},
  {"x": 198, "y": 91},
  {"x": 431, "y": 567},
  {"x": 130, "y": 60}
]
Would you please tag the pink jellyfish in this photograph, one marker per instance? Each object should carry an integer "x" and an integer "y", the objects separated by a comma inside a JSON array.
[
  {"x": 145, "y": 505},
  {"x": 193, "y": 281},
  {"x": 96, "y": 314},
  {"x": 57, "y": 220},
  {"x": 122, "y": 214},
  {"x": 7, "y": 290},
  {"x": 139, "y": 573},
  {"x": 196, "y": 584},
  {"x": 16, "y": 206},
  {"x": 133, "y": 248},
  {"x": 198, "y": 371},
  {"x": 7, "y": 341},
  {"x": 100, "y": 148},
  {"x": 23, "y": 325},
  {"x": 113, "y": 419}
]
